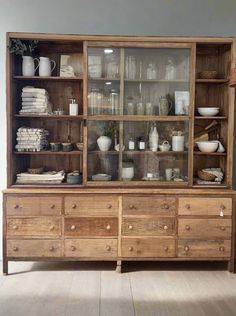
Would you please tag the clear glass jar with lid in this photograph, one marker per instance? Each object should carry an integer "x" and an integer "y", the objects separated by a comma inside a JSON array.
[
  {"x": 95, "y": 101},
  {"x": 114, "y": 102}
]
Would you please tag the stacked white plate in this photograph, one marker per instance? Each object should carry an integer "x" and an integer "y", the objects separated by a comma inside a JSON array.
[{"x": 101, "y": 177}]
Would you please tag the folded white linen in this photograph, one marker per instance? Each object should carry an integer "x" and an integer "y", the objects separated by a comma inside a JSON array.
[
  {"x": 41, "y": 100},
  {"x": 33, "y": 95},
  {"x": 29, "y": 104},
  {"x": 34, "y": 90}
]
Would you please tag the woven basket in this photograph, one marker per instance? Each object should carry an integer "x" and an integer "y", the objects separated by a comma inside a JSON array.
[
  {"x": 205, "y": 176},
  {"x": 35, "y": 170},
  {"x": 207, "y": 74}
]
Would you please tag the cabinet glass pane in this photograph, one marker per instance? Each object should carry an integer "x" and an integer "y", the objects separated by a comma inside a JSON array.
[
  {"x": 156, "y": 81},
  {"x": 104, "y": 81}
]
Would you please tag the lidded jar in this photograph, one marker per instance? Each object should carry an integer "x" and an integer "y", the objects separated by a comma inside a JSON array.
[{"x": 95, "y": 101}]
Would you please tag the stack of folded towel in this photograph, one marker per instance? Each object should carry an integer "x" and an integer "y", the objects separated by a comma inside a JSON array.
[
  {"x": 35, "y": 101},
  {"x": 31, "y": 139},
  {"x": 50, "y": 177}
]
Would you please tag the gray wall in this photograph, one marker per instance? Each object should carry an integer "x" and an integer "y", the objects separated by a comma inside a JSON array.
[{"x": 116, "y": 17}]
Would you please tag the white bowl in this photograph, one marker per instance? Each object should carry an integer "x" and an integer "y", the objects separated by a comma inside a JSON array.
[
  {"x": 208, "y": 111},
  {"x": 207, "y": 146}
]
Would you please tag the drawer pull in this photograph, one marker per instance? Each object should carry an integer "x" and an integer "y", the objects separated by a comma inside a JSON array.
[
  {"x": 108, "y": 248},
  {"x": 52, "y": 205},
  {"x": 51, "y": 249},
  {"x": 186, "y": 248},
  {"x": 15, "y": 249},
  {"x": 166, "y": 248},
  {"x": 222, "y": 227},
  {"x": 109, "y": 206},
  {"x": 187, "y": 206},
  {"x": 51, "y": 227},
  {"x": 16, "y": 206},
  {"x": 131, "y": 248},
  {"x": 73, "y": 206},
  {"x": 108, "y": 227},
  {"x": 165, "y": 206},
  {"x": 72, "y": 248},
  {"x": 73, "y": 227},
  {"x": 222, "y": 207},
  {"x": 165, "y": 227},
  {"x": 187, "y": 227},
  {"x": 15, "y": 227},
  {"x": 131, "y": 206},
  {"x": 222, "y": 249},
  {"x": 130, "y": 227}
]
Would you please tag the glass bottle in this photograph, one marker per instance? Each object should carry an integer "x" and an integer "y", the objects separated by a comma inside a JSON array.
[
  {"x": 112, "y": 67},
  {"x": 153, "y": 138},
  {"x": 170, "y": 69},
  {"x": 151, "y": 72},
  {"x": 141, "y": 144},
  {"x": 95, "y": 101},
  {"x": 130, "y": 108},
  {"x": 149, "y": 109},
  {"x": 131, "y": 144},
  {"x": 140, "y": 108},
  {"x": 114, "y": 102},
  {"x": 130, "y": 67}
]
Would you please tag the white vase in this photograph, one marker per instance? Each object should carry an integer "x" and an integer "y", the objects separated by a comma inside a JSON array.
[
  {"x": 45, "y": 67},
  {"x": 28, "y": 66},
  {"x": 153, "y": 139},
  {"x": 104, "y": 143}
]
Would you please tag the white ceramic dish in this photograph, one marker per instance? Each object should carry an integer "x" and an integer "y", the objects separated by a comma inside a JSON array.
[
  {"x": 207, "y": 146},
  {"x": 208, "y": 111}
]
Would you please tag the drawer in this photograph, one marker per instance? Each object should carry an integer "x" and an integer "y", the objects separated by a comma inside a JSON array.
[
  {"x": 91, "y": 205},
  {"x": 205, "y": 206},
  {"x": 205, "y": 228},
  {"x": 151, "y": 226},
  {"x": 32, "y": 205},
  {"x": 91, "y": 248},
  {"x": 91, "y": 226},
  {"x": 34, "y": 226},
  {"x": 34, "y": 248},
  {"x": 147, "y": 247},
  {"x": 149, "y": 205},
  {"x": 204, "y": 248}
]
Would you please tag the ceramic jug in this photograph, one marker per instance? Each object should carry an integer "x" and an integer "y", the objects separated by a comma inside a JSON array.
[
  {"x": 28, "y": 66},
  {"x": 45, "y": 67},
  {"x": 164, "y": 106}
]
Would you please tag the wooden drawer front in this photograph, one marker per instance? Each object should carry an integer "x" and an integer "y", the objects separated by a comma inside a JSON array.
[
  {"x": 34, "y": 226},
  {"x": 148, "y": 205},
  {"x": 148, "y": 247},
  {"x": 42, "y": 205},
  {"x": 151, "y": 226},
  {"x": 205, "y": 228},
  {"x": 91, "y": 205},
  {"x": 91, "y": 248},
  {"x": 204, "y": 248},
  {"x": 205, "y": 206},
  {"x": 91, "y": 226},
  {"x": 34, "y": 248}
]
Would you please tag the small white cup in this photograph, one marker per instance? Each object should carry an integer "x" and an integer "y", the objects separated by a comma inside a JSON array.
[{"x": 169, "y": 174}]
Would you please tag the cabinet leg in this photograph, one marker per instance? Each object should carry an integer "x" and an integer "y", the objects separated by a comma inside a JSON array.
[
  {"x": 5, "y": 267},
  {"x": 118, "y": 266},
  {"x": 231, "y": 266}
]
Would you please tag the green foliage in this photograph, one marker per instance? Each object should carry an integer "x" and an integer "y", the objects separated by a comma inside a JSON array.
[
  {"x": 23, "y": 48},
  {"x": 110, "y": 130}
]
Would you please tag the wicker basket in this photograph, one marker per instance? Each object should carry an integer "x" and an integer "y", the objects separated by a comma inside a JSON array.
[
  {"x": 205, "y": 176},
  {"x": 207, "y": 74},
  {"x": 35, "y": 170}
]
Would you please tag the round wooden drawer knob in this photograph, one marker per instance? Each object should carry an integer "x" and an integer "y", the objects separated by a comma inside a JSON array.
[
  {"x": 131, "y": 206},
  {"x": 73, "y": 227},
  {"x": 222, "y": 227},
  {"x": 51, "y": 227},
  {"x": 52, "y": 205},
  {"x": 15, "y": 248},
  {"x": 130, "y": 227},
  {"x": 187, "y": 227},
  {"x": 187, "y": 206},
  {"x": 222, "y": 207},
  {"x": 108, "y": 227},
  {"x": 72, "y": 248},
  {"x": 186, "y": 248},
  {"x": 108, "y": 248},
  {"x": 16, "y": 206},
  {"x": 222, "y": 249},
  {"x": 131, "y": 248},
  {"x": 15, "y": 227},
  {"x": 165, "y": 227},
  {"x": 109, "y": 206},
  {"x": 166, "y": 248},
  {"x": 73, "y": 206},
  {"x": 51, "y": 248},
  {"x": 166, "y": 206}
]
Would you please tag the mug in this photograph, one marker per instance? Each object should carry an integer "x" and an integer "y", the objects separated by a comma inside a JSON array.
[
  {"x": 45, "y": 67},
  {"x": 169, "y": 174}
]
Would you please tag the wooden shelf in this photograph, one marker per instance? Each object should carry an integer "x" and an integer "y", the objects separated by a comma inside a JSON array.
[
  {"x": 211, "y": 80},
  {"x": 51, "y": 117},
  {"x": 210, "y": 117},
  {"x": 156, "y": 81},
  {"x": 99, "y": 152},
  {"x": 61, "y": 185},
  {"x": 138, "y": 118},
  {"x": 137, "y": 152},
  {"x": 104, "y": 79},
  {"x": 209, "y": 154},
  {"x": 55, "y": 78},
  {"x": 47, "y": 152}
]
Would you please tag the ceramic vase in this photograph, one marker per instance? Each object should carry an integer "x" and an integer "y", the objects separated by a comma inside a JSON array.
[{"x": 104, "y": 143}]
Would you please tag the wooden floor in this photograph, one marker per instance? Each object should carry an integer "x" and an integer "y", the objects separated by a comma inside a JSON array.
[{"x": 94, "y": 289}]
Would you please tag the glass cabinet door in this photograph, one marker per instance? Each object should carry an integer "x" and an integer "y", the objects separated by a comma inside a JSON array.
[{"x": 143, "y": 96}]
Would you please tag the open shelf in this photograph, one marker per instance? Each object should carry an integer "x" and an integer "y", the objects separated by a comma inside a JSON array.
[
  {"x": 211, "y": 80},
  {"x": 51, "y": 117},
  {"x": 55, "y": 78},
  {"x": 61, "y": 185},
  {"x": 47, "y": 152},
  {"x": 209, "y": 154},
  {"x": 210, "y": 117}
]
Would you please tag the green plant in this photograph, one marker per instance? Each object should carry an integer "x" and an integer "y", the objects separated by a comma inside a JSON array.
[
  {"x": 23, "y": 48},
  {"x": 110, "y": 130}
]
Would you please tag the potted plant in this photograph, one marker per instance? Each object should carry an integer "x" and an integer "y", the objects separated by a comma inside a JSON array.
[
  {"x": 25, "y": 49},
  {"x": 104, "y": 142}
]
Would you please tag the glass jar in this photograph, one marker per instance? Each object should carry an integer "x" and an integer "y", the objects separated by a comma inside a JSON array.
[
  {"x": 170, "y": 69},
  {"x": 140, "y": 108},
  {"x": 130, "y": 67},
  {"x": 149, "y": 109},
  {"x": 114, "y": 101},
  {"x": 141, "y": 144},
  {"x": 95, "y": 66},
  {"x": 130, "y": 108},
  {"x": 95, "y": 101},
  {"x": 112, "y": 67},
  {"x": 151, "y": 72},
  {"x": 131, "y": 144}
]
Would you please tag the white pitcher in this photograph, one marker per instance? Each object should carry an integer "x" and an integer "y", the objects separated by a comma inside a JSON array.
[
  {"x": 28, "y": 66},
  {"x": 45, "y": 67}
]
